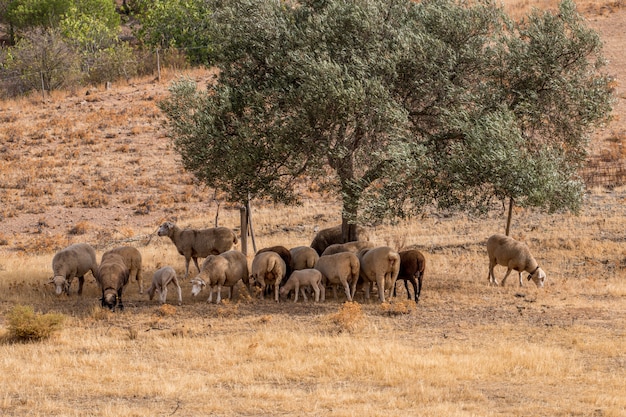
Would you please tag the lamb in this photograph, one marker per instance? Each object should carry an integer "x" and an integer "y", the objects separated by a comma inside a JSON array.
[
  {"x": 303, "y": 257},
  {"x": 506, "y": 251},
  {"x": 132, "y": 259},
  {"x": 340, "y": 268},
  {"x": 380, "y": 265},
  {"x": 112, "y": 276},
  {"x": 223, "y": 270},
  {"x": 353, "y": 247},
  {"x": 304, "y": 278},
  {"x": 331, "y": 235},
  {"x": 160, "y": 280},
  {"x": 194, "y": 243},
  {"x": 268, "y": 268},
  {"x": 412, "y": 266},
  {"x": 74, "y": 261}
]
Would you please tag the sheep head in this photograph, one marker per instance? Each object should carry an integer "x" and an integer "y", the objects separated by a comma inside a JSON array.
[
  {"x": 165, "y": 229},
  {"x": 109, "y": 299},
  {"x": 538, "y": 277},
  {"x": 197, "y": 284},
  {"x": 60, "y": 284}
]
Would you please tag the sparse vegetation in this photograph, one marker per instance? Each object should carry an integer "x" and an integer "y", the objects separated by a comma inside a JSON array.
[{"x": 25, "y": 325}]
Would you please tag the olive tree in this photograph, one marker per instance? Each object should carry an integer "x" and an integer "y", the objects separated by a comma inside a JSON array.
[{"x": 395, "y": 105}]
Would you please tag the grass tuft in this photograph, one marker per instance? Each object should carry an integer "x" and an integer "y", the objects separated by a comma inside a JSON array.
[{"x": 25, "y": 325}]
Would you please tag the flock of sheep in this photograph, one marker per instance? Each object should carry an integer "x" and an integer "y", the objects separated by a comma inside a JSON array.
[{"x": 326, "y": 263}]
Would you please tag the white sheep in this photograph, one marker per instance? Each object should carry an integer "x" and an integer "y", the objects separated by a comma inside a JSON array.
[
  {"x": 74, "y": 261},
  {"x": 223, "y": 270},
  {"x": 353, "y": 247},
  {"x": 303, "y": 257},
  {"x": 160, "y": 280},
  {"x": 379, "y": 265},
  {"x": 132, "y": 259},
  {"x": 268, "y": 268},
  {"x": 305, "y": 278},
  {"x": 506, "y": 251},
  {"x": 340, "y": 268},
  {"x": 331, "y": 235},
  {"x": 195, "y": 243},
  {"x": 112, "y": 276}
]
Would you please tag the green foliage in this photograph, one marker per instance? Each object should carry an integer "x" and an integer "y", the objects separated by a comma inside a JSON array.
[
  {"x": 407, "y": 103},
  {"x": 113, "y": 63},
  {"x": 24, "y": 14},
  {"x": 167, "y": 24},
  {"x": 26, "y": 325},
  {"x": 92, "y": 25}
]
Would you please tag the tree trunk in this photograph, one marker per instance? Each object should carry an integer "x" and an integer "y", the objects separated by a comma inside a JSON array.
[{"x": 508, "y": 220}]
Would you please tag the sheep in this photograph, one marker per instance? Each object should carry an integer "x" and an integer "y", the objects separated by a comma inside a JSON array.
[
  {"x": 353, "y": 247},
  {"x": 303, "y": 257},
  {"x": 194, "y": 243},
  {"x": 112, "y": 276},
  {"x": 160, "y": 280},
  {"x": 412, "y": 266},
  {"x": 285, "y": 254},
  {"x": 73, "y": 261},
  {"x": 506, "y": 251},
  {"x": 340, "y": 268},
  {"x": 380, "y": 265},
  {"x": 331, "y": 235},
  {"x": 305, "y": 277},
  {"x": 223, "y": 270},
  {"x": 268, "y": 268},
  {"x": 132, "y": 259}
]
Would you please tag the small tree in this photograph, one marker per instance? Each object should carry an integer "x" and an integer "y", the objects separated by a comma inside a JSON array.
[{"x": 407, "y": 103}]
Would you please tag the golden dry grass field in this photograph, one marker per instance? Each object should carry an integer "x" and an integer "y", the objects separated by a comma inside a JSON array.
[{"x": 96, "y": 166}]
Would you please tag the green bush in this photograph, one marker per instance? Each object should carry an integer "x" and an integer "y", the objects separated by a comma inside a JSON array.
[{"x": 26, "y": 325}]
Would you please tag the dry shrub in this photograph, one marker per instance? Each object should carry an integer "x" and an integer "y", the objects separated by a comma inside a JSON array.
[
  {"x": 166, "y": 310},
  {"x": 92, "y": 199},
  {"x": 227, "y": 309},
  {"x": 349, "y": 317},
  {"x": 397, "y": 307},
  {"x": 25, "y": 325},
  {"x": 80, "y": 228},
  {"x": 44, "y": 243},
  {"x": 100, "y": 314}
]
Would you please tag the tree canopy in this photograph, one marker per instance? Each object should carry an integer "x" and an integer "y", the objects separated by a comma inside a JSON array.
[{"x": 395, "y": 105}]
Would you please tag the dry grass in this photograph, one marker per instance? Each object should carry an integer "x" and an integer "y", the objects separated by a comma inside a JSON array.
[{"x": 98, "y": 168}]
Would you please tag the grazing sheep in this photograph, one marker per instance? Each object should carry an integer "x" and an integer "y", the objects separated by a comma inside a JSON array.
[
  {"x": 303, "y": 257},
  {"x": 112, "y": 276},
  {"x": 223, "y": 270},
  {"x": 353, "y": 247},
  {"x": 160, "y": 280},
  {"x": 132, "y": 259},
  {"x": 380, "y": 265},
  {"x": 305, "y": 278},
  {"x": 412, "y": 266},
  {"x": 195, "y": 243},
  {"x": 331, "y": 235},
  {"x": 74, "y": 261},
  {"x": 268, "y": 268},
  {"x": 506, "y": 251},
  {"x": 284, "y": 253},
  {"x": 340, "y": 268}
]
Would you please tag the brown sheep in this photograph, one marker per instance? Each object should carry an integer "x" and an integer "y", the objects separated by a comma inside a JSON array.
[
  {"x": 506, "y": 251},
  {"x": 353, "y": 247},
  {"x": 112, "y": 276},
  {"x": 340, "y": 268},
  {"x": 132, "y": 259},
  {"x": 195, "y": 243},
  {"x": 380, "y": 265},
  {"x": 268, "y": 268},
  {"x": 412, "y": 266},
  {"x": 331, "y": 235},
  {"x": 223, "y": 270},
  {"x": 74, "y": 261}
]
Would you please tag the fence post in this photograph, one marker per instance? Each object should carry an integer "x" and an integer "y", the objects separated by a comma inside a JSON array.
[{"x": 158, "y": 65}]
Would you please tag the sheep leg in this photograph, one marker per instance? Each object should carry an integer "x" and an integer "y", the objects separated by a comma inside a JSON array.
[
  {"x": 219, "y": 293},
  {"x": 520, "y": 279},
  {"x": 195, "y": 261},
  {"x": 163, "y": 295},
  {"x": 210, "y": 299},
  {"x": 179, "y": 291},
  {"x": 492, "y": 275},
  {"x": 508, "y": 271},
  {"x": 316, "y": 288},
  {"x": 380, "y": 283},
  {"x": 119, "y": 298},
  {"x": 419, "y": 287},
  {"x": 346, "y": 288},
  {"x": 187, "y": 266},
  {"x": 296, "y": 290},
  {"x": 276, "y": 290},
  {"x": 81, "y": 281}
]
